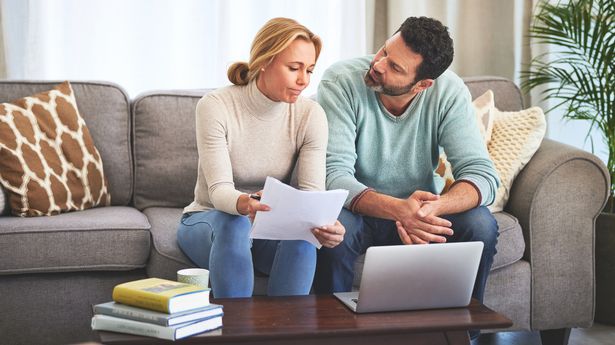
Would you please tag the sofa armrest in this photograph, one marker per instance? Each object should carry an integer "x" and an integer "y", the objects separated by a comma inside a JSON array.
[{"x": 556, "y": 198}]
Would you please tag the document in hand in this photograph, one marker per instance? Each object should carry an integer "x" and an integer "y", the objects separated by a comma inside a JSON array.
[{"x": 295, "y": 212}]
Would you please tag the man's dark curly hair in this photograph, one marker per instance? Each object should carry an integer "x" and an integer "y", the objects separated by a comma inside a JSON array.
[{"x": 429, "y": 38}]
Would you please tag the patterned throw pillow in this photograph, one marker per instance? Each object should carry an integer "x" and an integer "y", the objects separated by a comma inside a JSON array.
[
  {"x": 48, "y": 162},
  {"x": 512, "y": 138},
  {"x": 516, "y": 137}
]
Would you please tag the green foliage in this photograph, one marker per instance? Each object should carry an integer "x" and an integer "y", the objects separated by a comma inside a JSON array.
[{"x": 579, "y": 73}]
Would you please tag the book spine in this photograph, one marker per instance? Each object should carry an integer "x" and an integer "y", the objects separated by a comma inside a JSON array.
[
  {"x": 143, "y": 316},
  {"x": 107, "y": 323},
  {"x": 141, "y": 299}
]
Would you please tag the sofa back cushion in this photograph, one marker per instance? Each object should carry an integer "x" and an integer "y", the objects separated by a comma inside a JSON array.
[
  {"x": 165, "y": 150},
  {"x": 507, "y": 94},
  {"x": 105, "y": 108}
]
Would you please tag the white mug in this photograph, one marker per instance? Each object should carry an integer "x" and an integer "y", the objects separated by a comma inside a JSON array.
[{"x": 194, "y": 276}]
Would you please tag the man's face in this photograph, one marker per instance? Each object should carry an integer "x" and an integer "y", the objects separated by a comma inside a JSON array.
[{"x": 393, "y": 70}]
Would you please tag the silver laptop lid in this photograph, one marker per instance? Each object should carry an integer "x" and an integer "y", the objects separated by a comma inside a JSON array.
[{"x": 409, "y": 277}]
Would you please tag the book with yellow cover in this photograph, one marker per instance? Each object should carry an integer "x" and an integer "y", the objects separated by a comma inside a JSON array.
[{"x": 162, "y": 295}]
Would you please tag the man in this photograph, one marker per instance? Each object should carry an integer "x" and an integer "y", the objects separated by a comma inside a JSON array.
[{"x": 388, "y": 117}]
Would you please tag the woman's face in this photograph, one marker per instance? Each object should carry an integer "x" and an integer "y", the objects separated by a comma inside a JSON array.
[{"x": 289, "y": 73}]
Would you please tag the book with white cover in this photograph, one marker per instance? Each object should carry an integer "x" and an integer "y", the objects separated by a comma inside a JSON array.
[
  {"x": 150, "y": 316},
  {"x": 116, "y": 324}
]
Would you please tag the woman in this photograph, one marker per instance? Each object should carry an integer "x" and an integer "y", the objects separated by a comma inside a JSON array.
[{"x": 256, "y": 128}]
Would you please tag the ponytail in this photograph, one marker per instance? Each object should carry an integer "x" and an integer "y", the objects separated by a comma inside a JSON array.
[{"x": 238, "y": 73}]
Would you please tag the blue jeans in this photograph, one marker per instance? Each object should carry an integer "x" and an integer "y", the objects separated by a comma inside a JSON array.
[
  {"x": 335, "y": 267},
  {"x": 221, "y": 243}
]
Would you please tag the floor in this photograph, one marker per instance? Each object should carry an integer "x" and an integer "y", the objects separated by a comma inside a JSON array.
[{"x": 599, "y": 334}]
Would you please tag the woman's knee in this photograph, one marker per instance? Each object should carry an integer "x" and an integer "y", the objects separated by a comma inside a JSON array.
[
  {"x": 193, "y": 230},
  {"x": 200, "y": 231},
  {"x": 228, "y": 227}
]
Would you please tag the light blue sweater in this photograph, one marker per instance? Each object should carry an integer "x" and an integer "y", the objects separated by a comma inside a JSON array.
[{"x": 397, "y": 155}]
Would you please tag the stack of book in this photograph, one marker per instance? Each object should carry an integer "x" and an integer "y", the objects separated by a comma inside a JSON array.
[{"x": 158, "y": 308}]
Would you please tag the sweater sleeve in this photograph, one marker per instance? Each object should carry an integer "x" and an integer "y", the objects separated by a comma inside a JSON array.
[
  {"x": 214, "y": 159},
  {"x": 341, "y": 150},
  {"x": 460, "y": 138},
  {"x": 311, "y": 158}
]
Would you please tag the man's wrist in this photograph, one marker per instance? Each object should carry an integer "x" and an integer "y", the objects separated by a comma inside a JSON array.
[{"x": 354, "y": 204}]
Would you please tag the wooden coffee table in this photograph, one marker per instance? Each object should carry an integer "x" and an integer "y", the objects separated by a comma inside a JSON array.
[{"x": 323, "y": 320}]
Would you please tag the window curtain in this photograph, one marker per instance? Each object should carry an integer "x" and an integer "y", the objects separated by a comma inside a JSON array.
[
  {"x": 490, "y": 38},
  {"x": 2, "y": 48},
  {"x": 164, "y": 44}
]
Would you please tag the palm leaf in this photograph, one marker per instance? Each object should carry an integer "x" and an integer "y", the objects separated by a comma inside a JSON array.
[{"x": 580, "y": 74}]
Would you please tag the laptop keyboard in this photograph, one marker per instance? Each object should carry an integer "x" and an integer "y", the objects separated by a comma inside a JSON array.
[{"x": 355, "y": 300}]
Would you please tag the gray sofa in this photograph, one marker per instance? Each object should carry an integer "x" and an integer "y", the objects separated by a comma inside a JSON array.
[{"x": 53, "y": 269}]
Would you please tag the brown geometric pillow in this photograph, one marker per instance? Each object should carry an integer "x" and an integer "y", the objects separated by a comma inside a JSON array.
[{"x": 48, "y": 162}]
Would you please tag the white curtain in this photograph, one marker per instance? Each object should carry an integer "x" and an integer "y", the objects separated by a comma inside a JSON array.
[
  {"x": 164, "y": 44},
  {"x": 490, "y": 38},
  {"x": 488, "y": 34}
]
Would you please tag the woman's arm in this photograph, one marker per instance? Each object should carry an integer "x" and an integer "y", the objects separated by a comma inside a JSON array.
[
  {"x": 214, "y": 159},
  {"x": 310, "y": 165}
]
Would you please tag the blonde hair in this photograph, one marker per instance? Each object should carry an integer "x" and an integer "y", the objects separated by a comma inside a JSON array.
[{"x": 275, "y": 36}]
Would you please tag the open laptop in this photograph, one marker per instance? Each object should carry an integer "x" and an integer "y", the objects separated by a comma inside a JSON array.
[{"x": 411, "y": 277}]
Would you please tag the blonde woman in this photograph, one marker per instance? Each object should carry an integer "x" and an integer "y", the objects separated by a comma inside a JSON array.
[{"x": 258, "y": 127}]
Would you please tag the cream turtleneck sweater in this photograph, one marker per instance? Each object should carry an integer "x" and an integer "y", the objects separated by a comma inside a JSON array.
[{"x": 243, "y": 137}]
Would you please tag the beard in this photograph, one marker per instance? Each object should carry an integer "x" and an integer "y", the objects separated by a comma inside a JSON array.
[{"x": 388, "y": 90}]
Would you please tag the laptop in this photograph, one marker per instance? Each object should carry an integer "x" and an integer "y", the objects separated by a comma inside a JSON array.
[{"x": 413, "y": 277}]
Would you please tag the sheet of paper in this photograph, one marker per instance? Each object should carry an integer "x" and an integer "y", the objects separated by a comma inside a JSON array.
[{"x": 295, "y": 212}]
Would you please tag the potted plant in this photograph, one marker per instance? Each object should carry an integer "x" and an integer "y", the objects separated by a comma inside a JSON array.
[{"x": 579, "y": 74}]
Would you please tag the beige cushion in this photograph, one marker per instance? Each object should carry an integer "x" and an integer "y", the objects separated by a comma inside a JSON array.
[
  {"x": 48, "y": 161},
  {"x": 512, "y": 138},
  {"x": 516, "y": 137}
]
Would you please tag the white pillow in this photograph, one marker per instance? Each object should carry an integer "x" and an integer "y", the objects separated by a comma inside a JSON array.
[{"x": 515, "y": 138}]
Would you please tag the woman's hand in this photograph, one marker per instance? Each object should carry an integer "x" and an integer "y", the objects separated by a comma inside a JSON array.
[
  {"x": 249, "y": 206},
  {"x": 330, "y": 235}
]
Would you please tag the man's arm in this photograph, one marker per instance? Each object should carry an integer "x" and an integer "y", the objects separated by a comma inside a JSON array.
[
  {"x": 341, "y": 150},
  {"x": 465, "y": 149},
  {"x": 477, "y": 179},
  {"x": 461, "y": 197}
]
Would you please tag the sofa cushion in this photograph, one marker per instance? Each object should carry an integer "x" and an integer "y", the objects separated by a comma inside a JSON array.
[
  {"x": 105, "y": 108},
  {"x": 105, "y": 238},
  {"x": 165, "y": 148},
  {"x": 507, "y": 94},
  {"x": 165, "y": 257},
  {"x": 48, "y": 161},
  {"x": 510, "y": 246}
]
